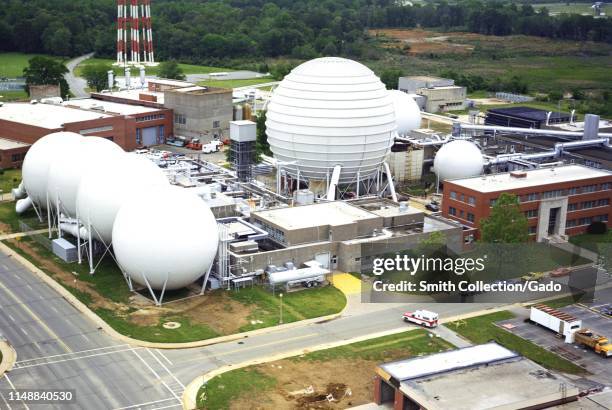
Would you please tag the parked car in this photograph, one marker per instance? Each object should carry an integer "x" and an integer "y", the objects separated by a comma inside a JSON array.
[
  {"x": 560, "y": 272},
  {"x": 175, "y": 142},
  {"x": 532, "y": 276},
  {"x": 210, "y": 148},
  {"x": 606, "y": 310},
  {"x": 433, "y": 207}
]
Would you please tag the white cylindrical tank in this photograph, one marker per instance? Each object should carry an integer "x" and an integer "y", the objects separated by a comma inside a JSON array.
[
  {"x": 103, "y": 190},
  {"x": 458, "y": 159},
  {"x": 38, "y": 160},
  {"x": 180, "y": 249},
  {"x": 331, "y": 111},
  {"x": 407, "y": 112},
  {"x": 68, "y": 167}
]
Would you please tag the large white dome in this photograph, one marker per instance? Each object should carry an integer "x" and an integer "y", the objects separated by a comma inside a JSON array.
[
  {"x": 331, "y": 111},
  {"x": 68, "y": 167},
  {"x": 181, "y": 248},
  {"x": 103, "y": 190},
  {"x": 458, "y": 159},
  {"x": 38, "y": 160},
  {"x": 407, "y": 112}
]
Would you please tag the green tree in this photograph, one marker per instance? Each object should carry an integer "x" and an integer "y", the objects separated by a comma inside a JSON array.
[
  {"x": 170, "y": 69},
  {"x": 96, "y": 76},
  {"x": 506, "y": 223},
  {"x": 391, "y": 78},
  {"x": 262, "y": 145},
  {"x": 57, "y": 40},
  {"x": 46, "y": 71}
]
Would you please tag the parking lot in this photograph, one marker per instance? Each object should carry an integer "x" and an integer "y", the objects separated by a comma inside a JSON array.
[{"x": 599, "y": 367}]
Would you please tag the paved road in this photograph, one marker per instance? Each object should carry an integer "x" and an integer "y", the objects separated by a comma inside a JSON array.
[
  {"x": 77, "y": 84},
  {"x": 58, "y": 347}
]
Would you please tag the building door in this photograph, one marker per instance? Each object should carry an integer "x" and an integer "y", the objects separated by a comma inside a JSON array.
[
  {"x": 553, "y": 221},
  {"x": 149, "y": 136},
  {"x": 323, "y": 259}
]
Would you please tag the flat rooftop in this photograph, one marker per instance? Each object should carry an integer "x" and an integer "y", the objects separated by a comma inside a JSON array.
[
  {"x": 533, "y": 114},
  {"x": 170, "y": 82},
  {"x": 579, "y": 126},
  {"x": 444, "y": 87},
  {"x": 320, "y": 214},
  {"x": 109, "y": 107},
  {"x": 48, "y": 116},
  {"x": 476, "y": 377},
  {"x": 6, "y": 143},
  {"x": 425, "y": 78},
  {"x": 134, "y": 95},
  {"x": 535, "y": 177}
]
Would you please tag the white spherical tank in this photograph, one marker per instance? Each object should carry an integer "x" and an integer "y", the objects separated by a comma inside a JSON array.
[
  {"x": 458, "y": 159},
  {"x": 407, "y": 112},
  {"x": 179, "y": 250},
  {"x": 38, "y": 160},
  {"x": 68, "y": 167},
  {"x": 103, "y": 190},
  {"x": 331, "y": 111}
]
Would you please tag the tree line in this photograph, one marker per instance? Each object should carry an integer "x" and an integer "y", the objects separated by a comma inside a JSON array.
[{"x": 220, "y": 30}]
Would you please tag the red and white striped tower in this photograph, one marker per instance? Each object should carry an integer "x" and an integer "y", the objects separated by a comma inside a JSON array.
[
  {"x": 148, "y": 30},
  {"x": 136, "y": 16},
  {"x": 121, "y": 32}
]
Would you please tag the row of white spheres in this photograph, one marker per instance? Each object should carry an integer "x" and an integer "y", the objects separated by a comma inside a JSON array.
[{"x": 124, "y": 199}]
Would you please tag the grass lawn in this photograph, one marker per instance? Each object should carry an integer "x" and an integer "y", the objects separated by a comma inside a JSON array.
[
  {"x": 300, "y": 305},
  {"x": 13, "y": 95},
  {"x": 12, "y": 64},
  {"x": 236, "y": 83},
  {"x": 9, "y": 179},
  {"x": 482, "y": 329},
  {"x": 222, "y": 390},
  {"x": 590, "y": 241},
  {"x": 187, "y": 68},
  {"x": 9, "y": 217}
]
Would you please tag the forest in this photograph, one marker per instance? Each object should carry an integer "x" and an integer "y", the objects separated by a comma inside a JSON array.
[{"x": 200, "y": 31}]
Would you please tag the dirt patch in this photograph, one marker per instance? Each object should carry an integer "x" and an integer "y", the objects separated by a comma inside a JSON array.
[
  {"x": 217, "y": 310},
  {"x": 303, "y": 384}
]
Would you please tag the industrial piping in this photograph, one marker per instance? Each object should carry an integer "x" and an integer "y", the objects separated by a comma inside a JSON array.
[{"x": 556, "y": 152}]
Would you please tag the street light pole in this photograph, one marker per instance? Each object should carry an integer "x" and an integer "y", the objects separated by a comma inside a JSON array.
[{"x": 280, "y": 295}]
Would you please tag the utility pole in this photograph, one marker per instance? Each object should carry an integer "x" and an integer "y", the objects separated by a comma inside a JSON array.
[{"x": 280, "y": 295}]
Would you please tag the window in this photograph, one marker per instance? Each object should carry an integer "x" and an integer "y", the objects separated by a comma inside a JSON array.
[
  {"x": 532, "y": 213},
  {"x": 471, "y": 200},
  {"x": 138, "y": 136},
  {"x": 452, "y": 210},
  {"x": 589, "y": 204},
  {"x": 17, "y": 157},
  {"x": 533, "y": 230},
  {"x": 453, "y": 195},
  {"x": 603, "y": 202},
  {"x": 600, "y": 218},
  {"x": 180, "y": 119},
  {"x": 462, "y": 198},
  {"x": 216, "y": 124},
  {"x": 573, "y": 191},
  {"x": 470, "y": 217},
  {"x": 530, "y": 197},
  {"x": 606, "y": 186},
  {"x": 589, "y": 188},
  {"x": 492, "y": 202},
  {"x": 553, "y": 194},
  {"x": 572, "y": 207},
  {"x": 571, "y": 223},
  {"x": 461, "y": 213},
  {"x": 585, "y": 221}
]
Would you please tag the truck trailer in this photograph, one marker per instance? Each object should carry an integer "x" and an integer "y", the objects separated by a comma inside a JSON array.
[{"x": 563, "y": 324}]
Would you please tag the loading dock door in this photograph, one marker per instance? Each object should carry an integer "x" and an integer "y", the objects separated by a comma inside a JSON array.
[
  {"x": 149, "y": 136},
  {"x": 323, "y": 259}
]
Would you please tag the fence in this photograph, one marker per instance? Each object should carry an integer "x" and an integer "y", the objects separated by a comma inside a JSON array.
[{"x": 40, "y": 238}]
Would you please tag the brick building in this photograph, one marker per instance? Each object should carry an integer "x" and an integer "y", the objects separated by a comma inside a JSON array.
[
  {"x": 12, "y": 153},
  {"x": 130, "y": 126},
  {"x": 558, "y": 202}
]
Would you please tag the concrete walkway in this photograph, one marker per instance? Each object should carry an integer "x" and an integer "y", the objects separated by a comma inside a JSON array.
[
  {"x": 22, "y": 234},
  {"x": 450, "y": 336},
  {"x": 77, "y": 84}
]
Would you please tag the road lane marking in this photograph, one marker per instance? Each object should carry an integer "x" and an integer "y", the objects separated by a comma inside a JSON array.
[
  {"x": 35, "y": 317},
  {"x": 144, "y": 404},
  {"x": 17, "y": 367},
  {"x": 166, "y": 369},
  {"x": 73, "y": 353},
  {"x": 14, "y": 389},
  {"x": 157, "y": 376},
  {"x": 164, "y": 357}
]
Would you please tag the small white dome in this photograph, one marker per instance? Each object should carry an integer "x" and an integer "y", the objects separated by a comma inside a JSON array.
[
  {"x": 407, "y": 112},
  {"x": 38, "y": 160},
  {"x": 181, "y": 248},
  {"x": 103, "y": 190},
  {"x": 331, "y": 111},
  {"x": 458, "y": 159}
]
